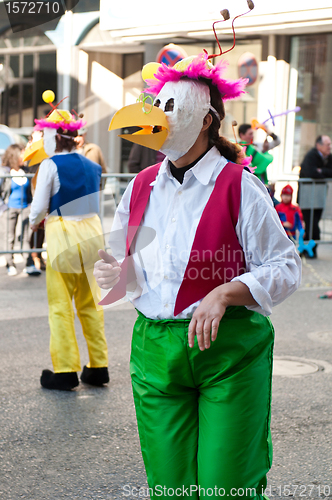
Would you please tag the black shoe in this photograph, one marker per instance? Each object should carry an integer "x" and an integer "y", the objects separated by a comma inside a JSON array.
[
  {"x": 95, "y": 376},
  {"x": 60, "y": 381}
]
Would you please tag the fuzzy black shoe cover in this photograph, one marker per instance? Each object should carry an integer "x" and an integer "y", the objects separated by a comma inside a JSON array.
[
  {"x": 95, "y": 376},
  {"x": 59, "y": 381}
]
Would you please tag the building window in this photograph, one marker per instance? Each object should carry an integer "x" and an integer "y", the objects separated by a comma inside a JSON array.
[
  {"x": 27, "y": 68},
  {"x": 311, "y": 77}
]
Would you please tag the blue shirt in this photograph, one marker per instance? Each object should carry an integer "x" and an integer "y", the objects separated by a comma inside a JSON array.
[{"x": 19, "y": 190}]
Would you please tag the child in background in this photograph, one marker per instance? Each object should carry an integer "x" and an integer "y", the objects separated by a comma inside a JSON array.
[
  {"x": 286, "y": 211},
  {"x": 19, "y": 199}
]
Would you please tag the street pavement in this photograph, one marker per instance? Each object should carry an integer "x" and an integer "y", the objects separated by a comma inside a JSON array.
[{"x": 84, "y": 444}]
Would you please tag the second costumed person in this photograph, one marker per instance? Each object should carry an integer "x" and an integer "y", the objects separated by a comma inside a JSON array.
[
  {"x": 201, "y": 359},
  {"x": 68, "y": 191}
]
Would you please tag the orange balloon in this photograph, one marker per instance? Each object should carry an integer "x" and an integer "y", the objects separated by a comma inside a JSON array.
[{"x": 256, "y": 125}]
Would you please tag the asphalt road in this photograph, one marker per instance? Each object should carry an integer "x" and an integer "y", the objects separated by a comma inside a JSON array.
[{"x": 84, "y": 444}]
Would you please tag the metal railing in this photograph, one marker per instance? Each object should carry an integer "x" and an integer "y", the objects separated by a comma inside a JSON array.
[
  {"x": 313, "y": 194},
  {"x": 113, "y": 186}
]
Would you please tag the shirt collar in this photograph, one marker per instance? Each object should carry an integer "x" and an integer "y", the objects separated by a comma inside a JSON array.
[
  {"x": 162, "y": 171},
  {"x": 203, "y": 170},
  {"x": 65, "y": 152}
]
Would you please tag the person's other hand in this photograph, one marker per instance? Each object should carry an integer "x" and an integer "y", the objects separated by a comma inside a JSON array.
[
  {"x": 205, "y": 321},
  {"x": 106, "y": 271},
  {"x": 265, "y": 146}
]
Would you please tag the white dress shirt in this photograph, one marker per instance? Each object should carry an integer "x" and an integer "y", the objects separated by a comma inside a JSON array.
[
  {"x": 273, "y": 268},
  {"x": 48, "y": 184}
]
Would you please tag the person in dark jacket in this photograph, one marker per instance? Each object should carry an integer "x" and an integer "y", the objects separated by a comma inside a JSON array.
[
  {"x": 317, "y": 164},
  {"x": 141, "y": 157}
]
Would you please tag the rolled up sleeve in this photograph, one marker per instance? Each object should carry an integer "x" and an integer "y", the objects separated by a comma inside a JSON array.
[{"x": 273, "y": 267}]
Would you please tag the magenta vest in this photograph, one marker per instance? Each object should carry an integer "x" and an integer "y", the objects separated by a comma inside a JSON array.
[{"x": 216, "y": 256}]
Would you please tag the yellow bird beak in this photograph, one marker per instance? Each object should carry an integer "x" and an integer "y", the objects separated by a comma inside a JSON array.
[
  {"x": 35, "y": 153},
  {"x": 135, "y": 116}
]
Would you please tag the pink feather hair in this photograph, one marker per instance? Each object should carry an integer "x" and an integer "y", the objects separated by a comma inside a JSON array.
[
  {"x": 245, "y": 161},
  {"x": 198, "y": 68},
  {"x": 71, "y": 126}
]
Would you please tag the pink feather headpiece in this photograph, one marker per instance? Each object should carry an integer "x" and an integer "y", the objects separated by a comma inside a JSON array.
[
  {"x": 65, "y": 125},
  {"x": 196, "y": 68},
  {"x": 58, "y": 118}
]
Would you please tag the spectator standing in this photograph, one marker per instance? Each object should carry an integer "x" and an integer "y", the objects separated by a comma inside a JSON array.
[
  {"x": 37, "y": 237},
  {"x": 90, "y": 150},
  {"x": 19, "y": 199},
  {"x": 317, "y": 164},
  {"x": 4, "y": 189},
  {"x": 141, "y": 157}
]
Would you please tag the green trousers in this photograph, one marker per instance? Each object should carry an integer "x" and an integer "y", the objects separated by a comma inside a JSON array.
[{"x": 204, "y": 416}]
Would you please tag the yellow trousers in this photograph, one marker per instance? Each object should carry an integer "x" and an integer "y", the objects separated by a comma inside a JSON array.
[{"x": 72, "y": 250}]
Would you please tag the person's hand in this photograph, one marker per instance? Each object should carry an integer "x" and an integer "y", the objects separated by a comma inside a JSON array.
[
  {"x": 106, "y": 271},
  {"x": 287, "y": 224},
  {"x": 34, "y": 227},
  {"x": 265, "y": 146},
  {"x": 205, "y": 321}
]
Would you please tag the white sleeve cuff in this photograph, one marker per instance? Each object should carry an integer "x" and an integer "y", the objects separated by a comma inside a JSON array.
[{"x": 260, "y": 295}]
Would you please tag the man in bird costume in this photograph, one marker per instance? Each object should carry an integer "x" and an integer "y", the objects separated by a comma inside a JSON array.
[
  {"x": 68, "y": 190},
  {"x": 201, "y": 360}
]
